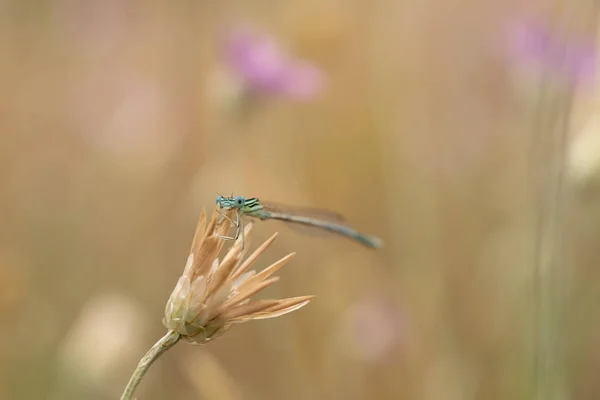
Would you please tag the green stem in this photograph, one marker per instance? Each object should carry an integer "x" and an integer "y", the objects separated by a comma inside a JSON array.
[{"x": 164, "y": 344}]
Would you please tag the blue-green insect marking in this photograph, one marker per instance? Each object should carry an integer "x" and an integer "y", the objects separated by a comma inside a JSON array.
[{"x": 252, "y": 207}]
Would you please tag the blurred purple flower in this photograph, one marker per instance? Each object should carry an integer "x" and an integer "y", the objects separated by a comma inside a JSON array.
[
  {"x": 533, "y": 43},
  {"x": 265, "y": 68}
]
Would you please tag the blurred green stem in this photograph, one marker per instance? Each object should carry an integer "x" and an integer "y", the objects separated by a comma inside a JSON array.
[{"x": 164, "y": 344}]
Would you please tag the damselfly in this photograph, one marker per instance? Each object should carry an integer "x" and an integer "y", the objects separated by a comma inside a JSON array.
[{"x": 252, "y": 207}]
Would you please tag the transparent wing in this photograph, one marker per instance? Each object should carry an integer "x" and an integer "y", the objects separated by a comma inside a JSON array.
[
  {"x": 317, "y": 213},
  {"x": 313, "y": 221}
]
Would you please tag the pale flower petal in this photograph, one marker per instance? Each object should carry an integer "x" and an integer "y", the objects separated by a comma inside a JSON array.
[{"x": 278, "y": 313}]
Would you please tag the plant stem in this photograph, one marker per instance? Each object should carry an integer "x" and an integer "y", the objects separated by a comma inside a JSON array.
[{"x": 164, "y": 344}]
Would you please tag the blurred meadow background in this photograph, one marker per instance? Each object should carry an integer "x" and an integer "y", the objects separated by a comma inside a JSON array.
[{"x": 464, "y": 133}]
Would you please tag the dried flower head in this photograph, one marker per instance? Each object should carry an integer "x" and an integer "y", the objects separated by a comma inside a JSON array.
[{"x": 211, "y": 295}]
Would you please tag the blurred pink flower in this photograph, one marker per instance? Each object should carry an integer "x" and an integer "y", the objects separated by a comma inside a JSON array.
[
  {"x": 534, "y": 43},
  {"x": 373, "y": 328},
  {"x": 265, "y": 68},
  {"x": 124, "y": 115}
]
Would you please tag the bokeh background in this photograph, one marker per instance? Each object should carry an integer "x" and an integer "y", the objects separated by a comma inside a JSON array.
[{"x": 461, "y": 132}]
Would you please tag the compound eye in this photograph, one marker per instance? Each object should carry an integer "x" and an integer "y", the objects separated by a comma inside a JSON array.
[
  {"x": 219, "y": 198},
  {"x": 239, "y": 200}
]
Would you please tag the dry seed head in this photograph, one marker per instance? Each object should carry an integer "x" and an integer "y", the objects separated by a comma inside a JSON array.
[{"x": 211, "y": 295}]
